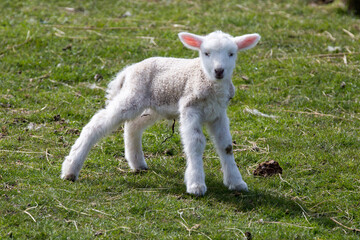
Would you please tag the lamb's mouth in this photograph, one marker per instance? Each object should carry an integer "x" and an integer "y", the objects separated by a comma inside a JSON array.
[{"x": 219, "y": 77}]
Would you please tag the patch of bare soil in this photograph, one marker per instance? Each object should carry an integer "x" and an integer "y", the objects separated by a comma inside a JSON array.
[{"x": 267, "y": 169}]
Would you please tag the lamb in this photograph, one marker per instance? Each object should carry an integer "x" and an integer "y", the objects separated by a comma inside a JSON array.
[{"x": 197, "y": 91}]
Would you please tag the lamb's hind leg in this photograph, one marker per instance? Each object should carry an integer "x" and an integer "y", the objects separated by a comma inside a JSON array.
[
  {"x": 132, "y": 136},
  {"x": 120, "y": 109}
]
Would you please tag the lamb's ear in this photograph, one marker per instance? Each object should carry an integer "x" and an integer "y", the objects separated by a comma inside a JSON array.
[
  {"x": 247, "y": 41},
  {"x": 190, "y": 40}
]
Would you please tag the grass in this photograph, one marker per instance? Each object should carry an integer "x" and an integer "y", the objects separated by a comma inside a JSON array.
[{"x": 50, "y": 53}]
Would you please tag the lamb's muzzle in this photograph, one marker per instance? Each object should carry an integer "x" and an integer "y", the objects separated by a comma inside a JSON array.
[{"x": 219, "y": 73}]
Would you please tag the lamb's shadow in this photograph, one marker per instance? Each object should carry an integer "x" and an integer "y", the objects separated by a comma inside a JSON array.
[
  {"x": 168, "y": 180},
  {"x": 243, "y": 201},
  {"x": 240, "y": 201}
]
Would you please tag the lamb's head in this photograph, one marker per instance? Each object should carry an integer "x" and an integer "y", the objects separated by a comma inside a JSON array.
[{"x": 218, "y": 51}]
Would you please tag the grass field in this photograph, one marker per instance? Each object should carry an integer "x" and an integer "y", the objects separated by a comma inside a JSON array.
[{"x": 56, "y": 58}]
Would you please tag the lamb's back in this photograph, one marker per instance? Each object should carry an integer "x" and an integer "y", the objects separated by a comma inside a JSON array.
[{"x": 166, "y": 80}]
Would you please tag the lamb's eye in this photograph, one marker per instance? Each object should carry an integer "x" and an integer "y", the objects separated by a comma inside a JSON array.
[
  {"x": 207, "y": 54},
  {"x": 231, "y": 54}
]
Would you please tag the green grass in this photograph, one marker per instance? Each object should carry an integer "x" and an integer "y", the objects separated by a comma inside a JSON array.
[{"x": 315, "y": 95}]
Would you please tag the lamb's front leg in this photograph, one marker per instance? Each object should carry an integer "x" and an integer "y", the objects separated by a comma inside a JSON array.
[
  {"x": 194, "y": 143},
  {"x": 219, "y": 129}
]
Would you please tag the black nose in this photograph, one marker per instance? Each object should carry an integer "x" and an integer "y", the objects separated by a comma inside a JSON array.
[{"x": 219, "y": 72}]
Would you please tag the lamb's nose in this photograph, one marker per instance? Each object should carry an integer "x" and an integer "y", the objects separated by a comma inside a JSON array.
[{"x": 219, "y": 72}]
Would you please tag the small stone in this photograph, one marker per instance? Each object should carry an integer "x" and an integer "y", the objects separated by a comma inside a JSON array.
[{"x": 126, "y": 14}]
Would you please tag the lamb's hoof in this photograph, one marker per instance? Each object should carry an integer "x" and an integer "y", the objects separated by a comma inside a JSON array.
[
  {"x": 70, "y": 177},
  {"x": 241, "y": 187},
  {"x": 140, "y": 169},
  {"x": 138, "y": 166},
  {"x": 197, "y": 189}
]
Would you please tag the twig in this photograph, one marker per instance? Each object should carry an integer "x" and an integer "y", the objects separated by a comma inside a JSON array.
[
  {"x": 241, "y": 150},
  {"x": 244, "y": 8},
  {"x": 282, "y": 223},
  {"x": 330, "y": 36},
  {"x": 320, "y": 114},
  {"x": 74, "y": 222},
  {"x": 71, "y": 37},
  {"x": 30, "y": 215},
  {"x": 69, "y": 209},
  {"x": 172, "y": 134},
  {"x": 302, "y": 209},
  {"x": 40, "y": 78},
  {"x": 285, "y": 181},
  {"x": 205, "y": 235},
  {"x": 196, "y": 226},
  {"x": 47, "y": 158},
  {"x": 351, "y": 35},
  {"x": 26, "y": 211},
  {"x": 322, "y": 55},
  {"x": 101, "y": 212},
  {"x": 28, "y": 38},
  {"x": 102, "y": 35},
  {"x": 158, "y": 176},
  {"x": 180, "y": 212},
  {"x": 67, "y": 85},
  {"x": 333, "y": 54},
  {"x": 317, "y": 204},
  {"x": 258, "y": 113},
  {"x": 348, "y": 228},
  {"x": 3, "y": 150},
  {"x": 92, "y": 27},
  {"x": 107, "y": 28}
]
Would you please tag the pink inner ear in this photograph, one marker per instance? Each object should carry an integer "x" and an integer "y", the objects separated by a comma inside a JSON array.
[
  {"x": 191, "y": 41},
  {"x": 247, "y": 42}
]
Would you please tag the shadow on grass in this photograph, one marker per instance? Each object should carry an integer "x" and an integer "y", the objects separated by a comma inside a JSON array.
[
  {"x": 272, "y": 205},
  {"x": 168, "y": 181},
  {"x": 217, "y": 192}
]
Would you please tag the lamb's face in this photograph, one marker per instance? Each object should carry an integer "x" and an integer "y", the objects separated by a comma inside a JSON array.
[
  {"x": 218, "y": 56},
  {"x": 218, "y": 51}
]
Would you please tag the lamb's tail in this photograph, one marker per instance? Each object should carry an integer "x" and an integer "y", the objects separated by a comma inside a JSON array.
[{"x": 115, "y": 86}]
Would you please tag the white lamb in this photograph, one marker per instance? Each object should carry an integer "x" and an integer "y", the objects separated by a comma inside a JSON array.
[{"x": 197, "y": 91}]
